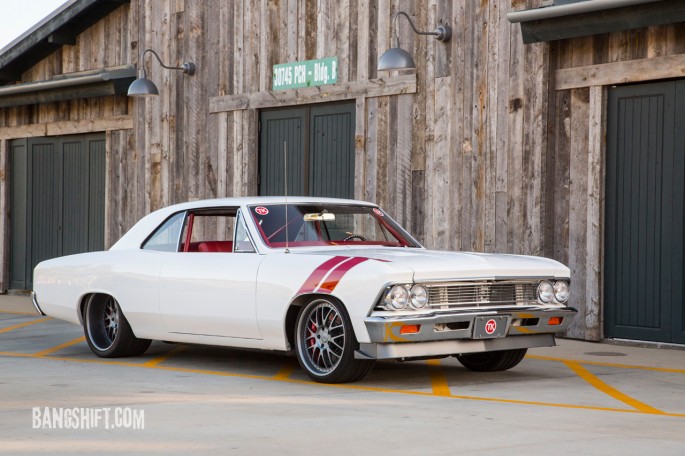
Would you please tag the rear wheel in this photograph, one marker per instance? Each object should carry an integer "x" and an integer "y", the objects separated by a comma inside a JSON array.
[
  {"x": 492, "y": 361},
  {"x": 107, "y": 331},
  {"x": 325, "y": 344}
]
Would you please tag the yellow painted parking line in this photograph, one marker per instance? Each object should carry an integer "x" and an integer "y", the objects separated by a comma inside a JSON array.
[
  {"x": 160, "y": 359},
  {"x": 338, "y": 386},
  {"x": 438, "y": 379},
  {"x": 599, "y": 363},
  {"x": 21, "y": 325},
  {"x": 285, "y": 372},
  {"x": 610, "y": 390},
  {"x": 61, "y": 346}
]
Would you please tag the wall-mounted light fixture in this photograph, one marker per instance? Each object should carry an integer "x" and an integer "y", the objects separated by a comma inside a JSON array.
[
  {"x": 143, "y": 87},
  {"x": 397, "y": 58}
]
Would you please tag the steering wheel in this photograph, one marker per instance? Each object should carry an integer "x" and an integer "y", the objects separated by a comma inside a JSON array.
[{"x": 354, "y": 236}]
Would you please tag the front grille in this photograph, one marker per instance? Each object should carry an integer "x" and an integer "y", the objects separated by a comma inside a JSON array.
[{"x": 482, "y": 294}]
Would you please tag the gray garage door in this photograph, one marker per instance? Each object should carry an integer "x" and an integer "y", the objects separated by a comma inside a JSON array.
[
  {"x": 644, "y": 212},
  {"x": 320, "y": 142},
  {"x": 57, "y": 201}
]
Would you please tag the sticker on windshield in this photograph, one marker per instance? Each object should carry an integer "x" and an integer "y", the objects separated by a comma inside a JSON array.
[
  {"x": 378, "y": 212},
  {"x": 261, "y": 210}
]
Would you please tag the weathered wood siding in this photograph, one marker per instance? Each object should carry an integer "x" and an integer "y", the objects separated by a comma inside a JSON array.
[
  {"x": 461, "y": 161},
  {"x": 583, "y": 68},
  {"x": 492, "y": 145}
]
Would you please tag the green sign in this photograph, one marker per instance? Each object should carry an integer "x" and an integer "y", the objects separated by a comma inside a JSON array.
[{"x": 305, "y": 74}]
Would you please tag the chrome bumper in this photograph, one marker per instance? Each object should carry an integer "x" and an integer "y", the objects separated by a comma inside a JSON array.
[
  {"x": 456, "y": 332},
  {"x": 34, "y": 300},
  {"x": 451, "y": 347}
]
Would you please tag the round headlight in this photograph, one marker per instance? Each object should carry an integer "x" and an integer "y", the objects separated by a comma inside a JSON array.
[
  {"x": 397, "y": 298},
  {"x": 561, "y": 291},
  {"x": 545, "y": 291},
  {"x": 419, "y": 297}
]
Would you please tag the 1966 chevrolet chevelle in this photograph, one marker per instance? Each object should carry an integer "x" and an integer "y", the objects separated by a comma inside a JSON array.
[{"x": 336, "y": 281}]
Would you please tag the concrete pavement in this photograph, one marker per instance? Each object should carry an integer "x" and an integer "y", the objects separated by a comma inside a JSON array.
[{"x": 576, "y": 398}]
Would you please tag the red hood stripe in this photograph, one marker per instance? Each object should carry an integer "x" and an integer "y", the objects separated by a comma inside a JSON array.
[
  {"x": 334, "y": 278},
  {"x": 319, "y": 273}
]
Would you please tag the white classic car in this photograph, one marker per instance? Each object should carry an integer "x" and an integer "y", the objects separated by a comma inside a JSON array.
[{"x": 336, "y": 281}]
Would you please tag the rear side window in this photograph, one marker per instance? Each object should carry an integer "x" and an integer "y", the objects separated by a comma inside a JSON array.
[{"x": 166, "y": 237}]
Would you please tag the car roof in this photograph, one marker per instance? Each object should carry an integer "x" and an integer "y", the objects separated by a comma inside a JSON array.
[
  {"x": 141, "y": 230},
  {"x": 252, "y": 200}
]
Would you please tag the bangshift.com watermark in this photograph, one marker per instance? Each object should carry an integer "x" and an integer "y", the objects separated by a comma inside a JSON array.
[{"x": 88, "y": 418}]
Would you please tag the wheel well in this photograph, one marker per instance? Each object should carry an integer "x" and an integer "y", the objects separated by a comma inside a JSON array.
[
  {"x": 84, "y": 301},
  {"x": 294, "y": 310}
]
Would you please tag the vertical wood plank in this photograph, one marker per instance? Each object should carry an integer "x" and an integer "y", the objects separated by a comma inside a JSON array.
[
  {"x": 362, "y": 40},
  {"x": 293, "y": 26},
  {"x": 4, "y": 214},
  {"x": 535, "y": 145},
  {"x": 402, "y": 176},
  {"x": 515, "y": 126},
  {"x": 371, "y": 145},
  {"x": 440, "y": 160},
  {"x": 360, "y": 128},
  {"x": 595, "y": 203}
]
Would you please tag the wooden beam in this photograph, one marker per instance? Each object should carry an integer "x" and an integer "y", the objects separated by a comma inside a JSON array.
[
  {"x": 595, "y": 210},
  {"x": 68, "y": 127},
  {"x": 672, "y": 66},
  {"x": 349, "y": 91},
  {"x": 4, "y": 215}
]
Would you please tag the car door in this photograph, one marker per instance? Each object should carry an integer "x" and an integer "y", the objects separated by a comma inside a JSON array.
[{"x": 207, "y": 290}]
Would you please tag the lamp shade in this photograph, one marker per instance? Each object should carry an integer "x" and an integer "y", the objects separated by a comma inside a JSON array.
[
  {"x": 395, "y": 59},
  {"x": 142, "y": 87}
]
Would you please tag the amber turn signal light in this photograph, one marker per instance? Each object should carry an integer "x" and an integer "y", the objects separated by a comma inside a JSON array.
[
  {"x": 410, "y": 329},
  {"x": 555, "y": 321}
]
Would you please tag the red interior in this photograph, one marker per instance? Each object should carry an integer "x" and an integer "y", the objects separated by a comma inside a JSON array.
[{"x": 211, "y": 246}]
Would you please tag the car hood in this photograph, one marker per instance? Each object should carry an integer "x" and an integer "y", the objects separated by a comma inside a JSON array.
[{"x": 430, "y": 265}]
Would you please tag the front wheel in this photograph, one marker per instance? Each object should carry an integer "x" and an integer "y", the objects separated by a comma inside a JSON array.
[
  {"x": 493, "y": 361},
  {"x": 107, "y": 331},
  {"x": 325, "y": 344}
]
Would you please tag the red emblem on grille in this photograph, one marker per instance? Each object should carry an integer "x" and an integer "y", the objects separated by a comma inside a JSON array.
[{"x": 490, "y": 326}]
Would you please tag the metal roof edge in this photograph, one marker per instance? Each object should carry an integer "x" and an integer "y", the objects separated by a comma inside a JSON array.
[
  {"x": 590, "y": 6},
  {"x": 52, "y": 32}
]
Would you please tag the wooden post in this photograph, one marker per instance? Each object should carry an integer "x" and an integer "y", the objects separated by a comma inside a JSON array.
[
  {"x": 595, "y": 209},
  {"x": 4, "y": 214}
]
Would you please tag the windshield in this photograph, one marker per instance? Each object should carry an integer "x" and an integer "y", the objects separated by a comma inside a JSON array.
[{"x": 321, "y": 224}]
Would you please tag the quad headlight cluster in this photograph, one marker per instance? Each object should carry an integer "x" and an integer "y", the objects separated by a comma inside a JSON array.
[
  {"x": 406, "y": 297},
  {"x": 548, "y": 291}
]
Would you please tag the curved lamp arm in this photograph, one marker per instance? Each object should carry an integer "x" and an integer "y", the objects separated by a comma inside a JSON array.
[
  {"x": 186, "y": 67},
  {"x": 441, "y": 33}
]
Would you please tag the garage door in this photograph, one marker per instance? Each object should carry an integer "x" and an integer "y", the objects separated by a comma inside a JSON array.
[
  {"x": 644, "y": 212},
  {"x": 320, "y": 142},
  {"x": 57, "y": 201}
]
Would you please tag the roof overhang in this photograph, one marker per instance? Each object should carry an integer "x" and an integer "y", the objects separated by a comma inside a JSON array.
[
  {"x": 592, "y": 17},
  {"x": 95, "y": 83},
  {"x": 58, "y": 29}
]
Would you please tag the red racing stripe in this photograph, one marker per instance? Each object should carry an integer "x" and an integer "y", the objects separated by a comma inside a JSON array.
[
  {"x": 319, "y": 273},
  {"x": 334, "y": 278}
]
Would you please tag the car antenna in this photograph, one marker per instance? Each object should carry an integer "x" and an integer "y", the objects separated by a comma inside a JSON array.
[{"x": 285, "y": 174}]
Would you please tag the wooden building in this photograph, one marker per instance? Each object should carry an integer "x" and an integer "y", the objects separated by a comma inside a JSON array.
[{"x": 555, "y": 130}]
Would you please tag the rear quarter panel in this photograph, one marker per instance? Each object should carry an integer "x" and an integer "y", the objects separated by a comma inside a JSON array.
[{"x": 131, "y": 277}]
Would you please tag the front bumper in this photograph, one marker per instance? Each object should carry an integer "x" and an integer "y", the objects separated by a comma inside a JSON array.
[{"x": 456, "y": 331}]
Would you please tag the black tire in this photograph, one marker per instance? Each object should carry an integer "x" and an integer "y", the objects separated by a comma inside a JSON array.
[
  {"x": 493, "y": 361},
  {"x": 325, "y": 344},
  {"x": 107, "y": 331}
]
